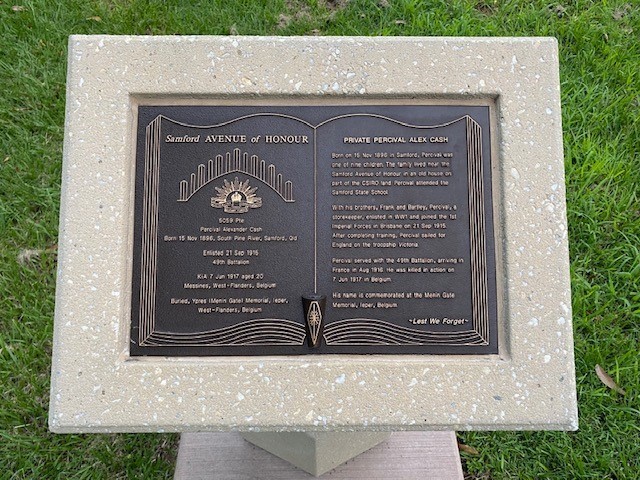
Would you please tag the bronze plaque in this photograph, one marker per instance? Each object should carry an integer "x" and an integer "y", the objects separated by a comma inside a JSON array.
[{"x": 290, "y": 230}]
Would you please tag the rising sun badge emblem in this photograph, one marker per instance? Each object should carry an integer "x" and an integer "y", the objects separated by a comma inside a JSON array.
[{"x": 236, "y": 197}]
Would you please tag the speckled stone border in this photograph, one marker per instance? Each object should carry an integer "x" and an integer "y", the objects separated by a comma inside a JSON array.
[{"x": 97, "y": 388}]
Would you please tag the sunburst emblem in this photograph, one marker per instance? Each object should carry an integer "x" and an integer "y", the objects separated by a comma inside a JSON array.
[
  {"x": 314, "y": 319},
  {"x": 236, "y": 197}
]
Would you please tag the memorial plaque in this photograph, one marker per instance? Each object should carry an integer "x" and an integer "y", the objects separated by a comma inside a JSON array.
[{"x": 281, "y": 230}]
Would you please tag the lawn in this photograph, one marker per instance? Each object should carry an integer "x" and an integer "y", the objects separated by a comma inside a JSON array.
[{"x": 600, "y": 74}]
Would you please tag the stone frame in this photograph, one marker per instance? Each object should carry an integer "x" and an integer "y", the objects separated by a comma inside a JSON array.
[{"x": 96, "y": 387}]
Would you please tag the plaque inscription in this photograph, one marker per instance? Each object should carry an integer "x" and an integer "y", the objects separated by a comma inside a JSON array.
[{"x": 313, "y": 229}]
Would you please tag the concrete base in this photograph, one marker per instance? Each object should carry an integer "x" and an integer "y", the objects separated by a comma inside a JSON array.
[
  {"x": 406, "y": 455},
  {"x": 316, "y": 452}
]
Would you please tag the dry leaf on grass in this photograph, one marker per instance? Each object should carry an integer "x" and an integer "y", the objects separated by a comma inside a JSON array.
[
  {"x": 608, "y": 381},
  {"x": 284, "y": 20},
  {"x": 620, "y": 13},
  {"x": 95, "y": 19},
  {"x": 17, "y": 8},
  {"x": 559, "y": 10},
  {"x": 467, "y": 449},
  {"x": 27, "y": 254},
  {"x": 334, "y": 4}
]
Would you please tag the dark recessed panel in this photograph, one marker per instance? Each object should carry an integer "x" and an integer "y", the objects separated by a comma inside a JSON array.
[{"x": 313, "y": 229}]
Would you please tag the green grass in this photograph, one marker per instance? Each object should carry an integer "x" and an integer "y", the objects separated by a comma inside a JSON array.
[{"x": 600, "y": 74}]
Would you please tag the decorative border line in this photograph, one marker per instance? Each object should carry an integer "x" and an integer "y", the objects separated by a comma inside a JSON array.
[
  {"x": 274, "y": 331},
  {"x": 315, "y": 127},
  {"x": 367, "y": 331},
  {"x": 148, "y": 264},
  {"x": 477, "y": 226}
]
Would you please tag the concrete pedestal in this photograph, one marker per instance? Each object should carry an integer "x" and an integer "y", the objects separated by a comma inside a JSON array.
[
  {"x": 406, "y": 455},
  {"x": 316, "y": 452}
]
